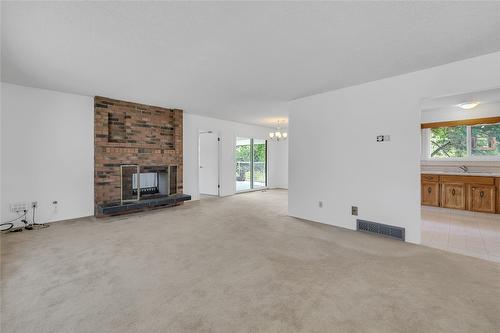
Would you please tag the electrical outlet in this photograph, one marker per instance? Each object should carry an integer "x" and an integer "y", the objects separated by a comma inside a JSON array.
[
  {"x": 320, "y": 204},
  {"x": 18, "y": 207},
  {"x": 354, "y": 210}
]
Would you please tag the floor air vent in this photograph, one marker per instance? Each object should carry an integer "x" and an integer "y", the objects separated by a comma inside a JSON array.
[{"x": 381, "y": 229}]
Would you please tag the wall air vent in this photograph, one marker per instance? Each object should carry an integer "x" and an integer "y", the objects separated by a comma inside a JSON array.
[{"x": 381, "y": 229}]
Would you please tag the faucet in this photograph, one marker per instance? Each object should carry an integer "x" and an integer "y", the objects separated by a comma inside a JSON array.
[{"x": 464, "y": 168}]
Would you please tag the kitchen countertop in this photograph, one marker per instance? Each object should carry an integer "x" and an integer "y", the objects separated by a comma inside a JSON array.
[{"x": 470, "y": 173}]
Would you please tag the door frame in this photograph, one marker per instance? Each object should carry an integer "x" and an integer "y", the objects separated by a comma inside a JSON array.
[
  {"x": 217, "y": 133},
  {"x": 252, "y": 189}
]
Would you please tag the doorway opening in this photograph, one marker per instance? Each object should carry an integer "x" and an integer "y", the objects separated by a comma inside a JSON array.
[
  {"x": 208, "y": 158},
  {"x": 251, "y": 164},
  {"x": 460, "y": 173}
]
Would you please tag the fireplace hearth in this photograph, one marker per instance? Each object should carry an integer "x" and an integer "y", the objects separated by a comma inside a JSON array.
[
  {"x": 118, "y": 208},
  {"x": 144, "y": 187}
]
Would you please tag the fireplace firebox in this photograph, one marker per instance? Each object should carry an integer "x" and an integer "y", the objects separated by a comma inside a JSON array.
[{"x": 145, "y": 182}]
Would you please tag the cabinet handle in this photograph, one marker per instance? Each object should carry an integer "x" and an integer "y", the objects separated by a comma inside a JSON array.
[
  {"x": 481, "y": 194},
  {"x": 453, "y": 192},
  {"x": 429, "y": 190}
]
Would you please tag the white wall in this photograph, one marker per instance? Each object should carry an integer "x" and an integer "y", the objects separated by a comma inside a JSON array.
[
  {"x": 279, "y": 173},
  {"x": 47, "y": 148},
  {"x": 228, "y": 132},
  {"x": 334, "y": 156}
]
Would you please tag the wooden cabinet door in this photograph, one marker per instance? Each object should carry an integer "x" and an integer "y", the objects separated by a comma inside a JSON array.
[
  {"x": 497, "y": 182},
  {"x": 482, "y": 198},
  {"x": 430, "y": 194},
  {"x": 453, "y": 195}
]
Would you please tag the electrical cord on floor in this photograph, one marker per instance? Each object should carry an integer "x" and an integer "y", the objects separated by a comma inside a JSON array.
[
  {"x": 38, "y": 225},
  {"x": 10, "y": 223}
]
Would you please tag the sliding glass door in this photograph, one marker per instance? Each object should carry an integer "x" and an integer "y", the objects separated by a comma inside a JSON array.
[
  {"x": 243, "y": 164},
  {"x": 251, "y": 164},
  {"x": 259, "y": 163}
]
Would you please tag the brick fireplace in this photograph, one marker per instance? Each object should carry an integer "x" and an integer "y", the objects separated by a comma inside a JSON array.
[{"x": 143, "y": 138}]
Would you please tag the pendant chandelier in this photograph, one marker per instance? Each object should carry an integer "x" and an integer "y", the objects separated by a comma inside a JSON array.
[{"x": 279, "y": 134}]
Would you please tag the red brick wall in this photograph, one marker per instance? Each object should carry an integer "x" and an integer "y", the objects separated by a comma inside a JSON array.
[{"x": 131, "y": 133}]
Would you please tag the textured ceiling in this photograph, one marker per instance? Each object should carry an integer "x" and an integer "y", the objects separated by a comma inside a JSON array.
[
  {"x": 483, "y": 97},
  {"x": 234, "y": 60}
]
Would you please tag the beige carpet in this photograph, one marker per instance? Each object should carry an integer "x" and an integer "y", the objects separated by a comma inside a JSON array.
[{"x": 237, "y": 264}]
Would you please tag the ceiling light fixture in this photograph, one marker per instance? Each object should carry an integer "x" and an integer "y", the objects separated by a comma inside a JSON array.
[
  {"x": 279, "y": 134},
  {"x": 468, "y": 105}
]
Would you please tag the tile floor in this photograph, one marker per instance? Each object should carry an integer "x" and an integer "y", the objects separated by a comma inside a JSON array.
[{"x": 469, "y": 233}]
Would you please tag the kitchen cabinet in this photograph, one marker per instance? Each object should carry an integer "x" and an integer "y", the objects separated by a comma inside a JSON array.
[
  {"x": 497, "y": 182},
  {"x": 482, "y": 198},
  {"x": 465, "y": 192},
  {"x": 430, "y": 194},
  {"x": 453, "y": 195},
  {"x": 430, "y": 190}
]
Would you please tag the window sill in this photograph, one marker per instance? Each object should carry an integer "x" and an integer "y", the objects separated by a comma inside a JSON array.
[{"x": 459, "y": 162}]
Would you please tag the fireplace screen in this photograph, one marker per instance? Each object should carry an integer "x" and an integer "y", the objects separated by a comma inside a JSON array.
[
  {"x": 128, "y": 173},
  {"x": 147, "y": 182}
]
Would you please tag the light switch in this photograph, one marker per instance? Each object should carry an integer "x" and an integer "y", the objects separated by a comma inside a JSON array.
[{"x": 383, "y": 138}]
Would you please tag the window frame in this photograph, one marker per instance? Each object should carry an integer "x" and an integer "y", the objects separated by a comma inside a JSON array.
[{"x": 426, "y": 144}]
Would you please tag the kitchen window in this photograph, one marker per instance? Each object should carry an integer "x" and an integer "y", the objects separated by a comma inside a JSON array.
[
  {"x": 485, "y": 140},
  {"x": 461, "y": 142}
]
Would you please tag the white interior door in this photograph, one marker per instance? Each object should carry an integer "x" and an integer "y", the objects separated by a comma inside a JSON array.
[{"x": 209, "y": 166}]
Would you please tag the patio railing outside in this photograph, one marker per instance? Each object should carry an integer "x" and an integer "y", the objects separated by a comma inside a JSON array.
[{"x": 243, "y": 175}]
